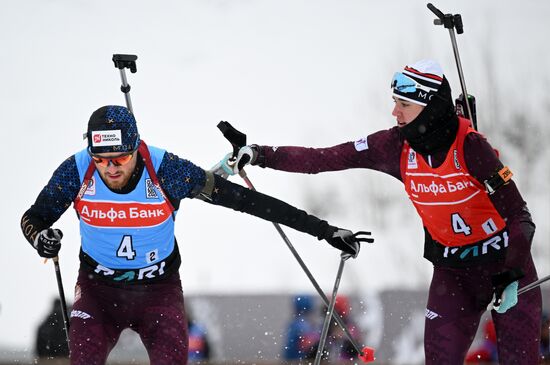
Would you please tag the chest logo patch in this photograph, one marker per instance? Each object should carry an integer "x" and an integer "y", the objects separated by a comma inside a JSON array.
[
  {"x": 90, "y": 189},
  {"x": 150, "y": 191},
  {"x": 411, "y": 160},
  {"x": 455, "y": 158}
]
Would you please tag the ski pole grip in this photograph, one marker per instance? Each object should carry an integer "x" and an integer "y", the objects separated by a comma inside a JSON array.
[
  {"x": 236, "y": 138},
  {"x": 457, "y": 19},
  {"x": 123, "y": 61},
  {"x": 449, "y": 21},
  {"x": 437, "y": 12}
]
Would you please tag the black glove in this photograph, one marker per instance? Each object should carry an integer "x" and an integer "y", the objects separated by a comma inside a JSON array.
[
  {"x": 247, "y": 155},
  {"x": 48, "y": 242},
  {"x": 258, "y": 159},
  {"x": 347, "y": 241}
]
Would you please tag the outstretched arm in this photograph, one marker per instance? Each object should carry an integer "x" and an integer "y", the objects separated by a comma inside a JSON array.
[
  {"x": 239, "y": 198},
  {"x": 379, "y": 151},
  {"x": 182, "y": 179}
]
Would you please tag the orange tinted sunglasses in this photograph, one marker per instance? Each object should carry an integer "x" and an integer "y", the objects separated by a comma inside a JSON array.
[{"x": 116, "y": 161}]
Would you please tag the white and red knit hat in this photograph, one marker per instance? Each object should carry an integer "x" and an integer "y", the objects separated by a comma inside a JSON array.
[{"x": 418, "y": 82}]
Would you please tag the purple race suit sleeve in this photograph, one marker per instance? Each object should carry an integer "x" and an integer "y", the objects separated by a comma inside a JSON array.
[{"x": 379, "y": 151}]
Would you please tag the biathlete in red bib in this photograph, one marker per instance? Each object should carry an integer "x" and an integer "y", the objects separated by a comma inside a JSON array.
[{"x": 478, "y": 230}]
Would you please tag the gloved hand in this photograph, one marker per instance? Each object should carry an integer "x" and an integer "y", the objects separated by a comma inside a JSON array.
[
  {"x": 48, "y": 242},
  {"x": 246, "y": 155},
  {"x": 229, "y": 166},
  {"x": 505, "y": 286},
  {"x": 508, "y": 298},
  {"x": 224, "y": 168},
  {"x": 347, "y": 241}
]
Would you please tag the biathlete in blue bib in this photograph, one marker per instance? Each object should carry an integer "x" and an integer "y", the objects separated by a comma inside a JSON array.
[{"x": 126, "y": 195}]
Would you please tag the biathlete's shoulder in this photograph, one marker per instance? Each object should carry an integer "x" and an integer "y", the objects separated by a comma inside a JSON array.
[
  {"x": 477, "y": 143},
  {"x": 385, "y": 138},
  {"x": 68, "y": 166}
]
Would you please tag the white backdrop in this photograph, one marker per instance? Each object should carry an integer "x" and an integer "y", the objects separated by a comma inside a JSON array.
[{"x": 285, "y": 72}]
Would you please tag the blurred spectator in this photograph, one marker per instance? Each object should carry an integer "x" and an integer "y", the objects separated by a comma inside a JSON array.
[
  {"x": 302, "y": 332},
  {"x": 486, "y": 353},
  {"x": 338, "y": 345},
  {"x": 545, "y": 339},
  {"x": 51, "y": 340},
  {"x": 199, "y": 346}
]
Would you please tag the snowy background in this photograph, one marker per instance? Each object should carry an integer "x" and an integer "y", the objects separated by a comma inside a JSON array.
[{"x": 285, "y": 72}]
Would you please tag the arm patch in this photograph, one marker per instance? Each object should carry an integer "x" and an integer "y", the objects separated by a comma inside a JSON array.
[
  {"x": 206, "y": 191},
  {"x": 361, "y": 144},
  {"x": 498, "y": 179}
]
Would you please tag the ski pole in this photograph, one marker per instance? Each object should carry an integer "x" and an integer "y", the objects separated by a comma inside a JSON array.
[
  {"x": 330, "y": 311},
  {"x": 366, "y": 350},
  {"x": 238, "y": 140},
  {"x": 61, "y": 296},
  {"x": 533, "y": 285},
  {"x": 451, "y": 22},
  {"x": 122, "y": 62}
]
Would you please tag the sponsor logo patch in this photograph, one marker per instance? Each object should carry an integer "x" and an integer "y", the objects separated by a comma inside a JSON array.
[
  {"x": 455, "y": 157},
  {"x": 149, "y": 272},
  {"x": 493, "y": 246},
  {"x": 150, "y": 191},
  {"x": 411, "y": 160},
  {"x": 114, "y": 214},
  {"x": 361, "y": 145},
  {"x": 106, "y": 138},
  {"x": 431, "y": 314},
  {"x": 80, "y": 314},
  {"x": 505, "y": 174},
  {"x": 90, "y": 190},
  {"x": 445, "y": 187}
]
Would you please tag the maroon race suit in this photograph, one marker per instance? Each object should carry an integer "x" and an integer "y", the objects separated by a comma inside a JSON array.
[{"x": 460, "y": 291}]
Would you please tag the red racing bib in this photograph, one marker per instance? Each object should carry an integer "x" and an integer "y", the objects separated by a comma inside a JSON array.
[{"x": 453, "y": 205}]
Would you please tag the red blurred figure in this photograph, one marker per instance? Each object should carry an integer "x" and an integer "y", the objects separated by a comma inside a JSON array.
[
  {"x": 487, "y": 352},
  {"x": 339, "y": 347}
]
